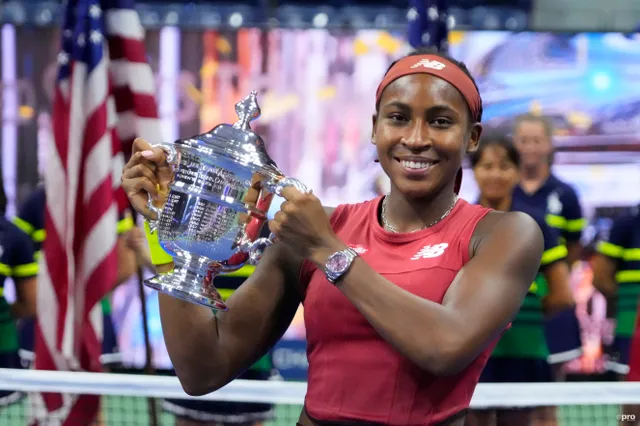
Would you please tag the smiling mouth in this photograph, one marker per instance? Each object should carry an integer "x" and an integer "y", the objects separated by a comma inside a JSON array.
[{"x": 416, "y": 164}]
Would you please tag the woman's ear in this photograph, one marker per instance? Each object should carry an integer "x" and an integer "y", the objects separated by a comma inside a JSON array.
[
  {"x": 374, "y": 120},
  {"x": 474, "y": 137}
]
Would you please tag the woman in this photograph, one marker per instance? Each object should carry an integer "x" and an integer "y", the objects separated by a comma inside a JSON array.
[
  {"x": 540, "y": 189},
  {"x": 16, "y": 262},
  {"x": 615, "y": 274},
  {"x": 399, "y": 332},
  {"x": 521, "y": 354}
]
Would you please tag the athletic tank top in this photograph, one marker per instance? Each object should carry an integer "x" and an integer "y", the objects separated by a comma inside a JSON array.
[{"x": 354, "y": 374}]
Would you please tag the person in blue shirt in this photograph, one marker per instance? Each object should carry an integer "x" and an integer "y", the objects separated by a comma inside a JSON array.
[
  {"x": 30, "y": 219},
  {"x": 533, "y": 137},
  {"x": 539, "y": 189},
  {"x": 18, "y": 263},
  {"x": 616, "y": 274},
  {"x": 521, "y": 354}
]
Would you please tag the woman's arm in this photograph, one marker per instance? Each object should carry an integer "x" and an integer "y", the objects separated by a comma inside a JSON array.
[
  {"x": 560, "y": 296},
  {"x": 127, "y": 262},
  {"x": 604, "y": 275},
  {"x": 610, "y": 253},
  {"x": 207, "y": 350},
  {"x": 485, "y": 295},
  {"x": 555, "y": 268},
  {"x": 25, "y": 304}
]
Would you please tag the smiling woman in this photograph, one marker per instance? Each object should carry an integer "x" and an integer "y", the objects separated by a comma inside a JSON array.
[{"x": 404, "y": 295}]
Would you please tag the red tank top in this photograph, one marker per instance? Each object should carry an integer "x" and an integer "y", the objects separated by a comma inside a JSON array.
[{"x": 353, "y": 373}]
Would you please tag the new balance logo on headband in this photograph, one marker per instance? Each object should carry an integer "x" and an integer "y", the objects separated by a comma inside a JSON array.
[{"x": 429, "y": 64}]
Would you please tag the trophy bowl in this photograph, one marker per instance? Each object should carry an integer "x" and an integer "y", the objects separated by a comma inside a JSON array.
[{"x": 206, "y": 222}]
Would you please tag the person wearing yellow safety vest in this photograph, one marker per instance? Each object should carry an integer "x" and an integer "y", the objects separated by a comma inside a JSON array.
[
  {"x": 616, "y": 274},
  {"x": 18, "y": 263},
  {"x": 522, "y": 352},
  {"x": 540, "y": 189},
  {"x": 30, "y": 219}
]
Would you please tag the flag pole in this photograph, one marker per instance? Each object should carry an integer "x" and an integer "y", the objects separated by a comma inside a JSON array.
[{"x": 149, "y": 369}]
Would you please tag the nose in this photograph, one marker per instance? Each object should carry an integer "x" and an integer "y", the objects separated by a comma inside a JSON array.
[
  {"x": 495, "y": 174},
  {"x": 416, "y": 138}
]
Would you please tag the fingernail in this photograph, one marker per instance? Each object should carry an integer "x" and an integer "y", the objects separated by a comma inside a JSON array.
[{"x": 147, "y": 154}]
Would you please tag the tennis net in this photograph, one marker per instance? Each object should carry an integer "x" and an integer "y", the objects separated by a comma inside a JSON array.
[{"x": 131, "y": 400}]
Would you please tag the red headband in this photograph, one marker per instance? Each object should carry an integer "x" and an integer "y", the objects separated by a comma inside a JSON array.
[{"x": 440, "y": 67}]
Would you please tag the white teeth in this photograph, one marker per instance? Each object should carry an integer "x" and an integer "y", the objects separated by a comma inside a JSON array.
[{"x": 414, "y": 164}]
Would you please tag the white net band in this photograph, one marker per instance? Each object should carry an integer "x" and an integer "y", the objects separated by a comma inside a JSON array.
[{"x": 278, "y": 392}]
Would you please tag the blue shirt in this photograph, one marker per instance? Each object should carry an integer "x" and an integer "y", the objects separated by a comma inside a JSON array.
[
  {"x": 560, "y": 205},
  {"x": 554, "y": 249},
  {"x": 16, "y": 261},
  {"x": 623, "y": 247}
]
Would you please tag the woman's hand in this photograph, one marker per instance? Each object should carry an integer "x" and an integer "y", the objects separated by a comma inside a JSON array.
[
  {"x": 303, "y": 225},
  {"x": 147, "y": 172}
]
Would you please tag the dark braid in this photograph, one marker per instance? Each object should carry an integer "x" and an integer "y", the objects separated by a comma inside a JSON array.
[{"x": 461, "y": 65}]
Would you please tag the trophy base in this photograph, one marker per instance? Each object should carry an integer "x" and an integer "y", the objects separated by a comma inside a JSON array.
[
  {"x": 191, "y": 284},
  {"x": 205, "y": 298}
]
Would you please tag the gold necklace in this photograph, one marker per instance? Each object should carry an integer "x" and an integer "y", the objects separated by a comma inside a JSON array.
[{"x": 387, "y": 225}]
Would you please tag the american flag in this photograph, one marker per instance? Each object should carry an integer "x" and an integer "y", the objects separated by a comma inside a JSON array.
[
  {"x": 428, "y": 24},
  {"x": 104, "y": 98}
]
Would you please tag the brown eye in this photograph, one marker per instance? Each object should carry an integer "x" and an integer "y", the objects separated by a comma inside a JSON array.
[
  {"x": 397, "y": 117},
  {"x": 441, "y": 122}
]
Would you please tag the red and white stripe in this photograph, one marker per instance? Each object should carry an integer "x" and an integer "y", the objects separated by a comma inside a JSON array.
[{"x": 91, "y": 115}]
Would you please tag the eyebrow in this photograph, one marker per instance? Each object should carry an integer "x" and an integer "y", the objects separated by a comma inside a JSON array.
[{"x": 406, "y": 107}]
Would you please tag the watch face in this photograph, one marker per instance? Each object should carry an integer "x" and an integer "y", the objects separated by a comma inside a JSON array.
[{"x": 337, "y": 263}]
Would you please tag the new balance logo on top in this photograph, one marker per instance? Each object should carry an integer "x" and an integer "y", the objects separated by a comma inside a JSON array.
[
  {"x": 430, "y": 251},
  {"x": 429, "y": 64},
  {"x": 358, "y": 249}
]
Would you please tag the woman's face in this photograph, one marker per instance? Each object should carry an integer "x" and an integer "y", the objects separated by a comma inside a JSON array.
[
  {"x": 421, "y": 133},
  {"x": 496, "y": 175},
  {"x": 531, "y": 140}
]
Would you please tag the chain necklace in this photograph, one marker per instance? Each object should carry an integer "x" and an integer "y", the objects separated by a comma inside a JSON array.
[{"x": 387, "y": 225}]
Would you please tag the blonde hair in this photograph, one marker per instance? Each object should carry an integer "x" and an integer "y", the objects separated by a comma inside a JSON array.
[{"x": 534, "y": 118}]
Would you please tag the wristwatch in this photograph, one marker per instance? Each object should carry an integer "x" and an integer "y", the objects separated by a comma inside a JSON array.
[{"x": 338, "y": 264}]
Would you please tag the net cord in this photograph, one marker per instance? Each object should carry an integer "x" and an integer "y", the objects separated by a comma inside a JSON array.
[{"x": 278, "y": 392}]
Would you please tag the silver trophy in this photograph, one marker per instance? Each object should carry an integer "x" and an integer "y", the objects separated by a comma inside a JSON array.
[{"x": 207, "y": 221}]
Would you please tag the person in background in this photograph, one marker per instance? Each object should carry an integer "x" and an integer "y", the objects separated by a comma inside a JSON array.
[
  {"x": 533, "y": 137},
  {"x": 198, "y": 413},
  {"x": 30, "y": 219},
  {"x": 634, "y": 368},
  {"x": 18, "y": 263},
  {"x": 616, "y": 274},
  {"x": 520, "y": 355},
  {"x": 539, "y": 189}
]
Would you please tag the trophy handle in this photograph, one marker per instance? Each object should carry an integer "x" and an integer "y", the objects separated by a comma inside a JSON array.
[
  {"x": 172, "y": 159},
  {"x": 276, "y": 186},
  {"x": 257, "y": 247}
]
